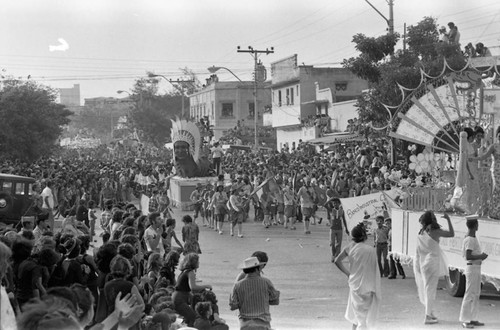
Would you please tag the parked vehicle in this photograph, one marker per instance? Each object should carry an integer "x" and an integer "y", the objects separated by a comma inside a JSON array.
[{"x": 16, "y": 198}]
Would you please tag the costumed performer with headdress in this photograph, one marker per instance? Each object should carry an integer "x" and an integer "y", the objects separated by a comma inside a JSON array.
[{"x": 188, "y": 160}]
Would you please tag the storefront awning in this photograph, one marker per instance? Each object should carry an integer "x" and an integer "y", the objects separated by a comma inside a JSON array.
[{"x": 336, "y": 138}]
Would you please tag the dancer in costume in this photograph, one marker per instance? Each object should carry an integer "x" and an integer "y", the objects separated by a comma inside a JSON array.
[
  {"x": 493, "y": 150},
  {"x": 364, "y": 280},
  {"x": 430, "y": 263}
]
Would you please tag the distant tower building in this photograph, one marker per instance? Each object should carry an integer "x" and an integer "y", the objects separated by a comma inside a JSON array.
[{"x": 70, "y": 96}]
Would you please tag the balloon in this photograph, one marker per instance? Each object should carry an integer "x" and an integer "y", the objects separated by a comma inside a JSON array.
[
  {"x": 418, "y": 169},
  {"x": 420, "y": 157},
  {"x": 413, "y": 158},
  {"x": 428, "y": 156},
  {"x": 437, "y": 157},
  {"x": 412, "y": 166},
  {"x": 424, "y": 165}
]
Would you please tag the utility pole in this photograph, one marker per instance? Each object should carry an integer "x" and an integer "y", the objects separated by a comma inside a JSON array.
[
  {"x": 390, "y": 20},
  {"x": 179, "y": 83},
  {"x": 174, "y": 82},
  {"x": 390, "y": 29},
  {"x": 255, "y": 54}
]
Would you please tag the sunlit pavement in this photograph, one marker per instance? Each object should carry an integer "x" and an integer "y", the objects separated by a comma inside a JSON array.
[{"x": 313, "y": 291}]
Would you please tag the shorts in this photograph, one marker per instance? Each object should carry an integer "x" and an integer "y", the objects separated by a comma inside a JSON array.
[
  {"x": 198, "y": 210},
  {"x": 307, "y": 212},
  {"x": 290, "y": 211},
  {"x": 220, "y": 217},
  {"x": 236, "y": 217},
  {"x": 220, "y": 209},
  {"x": 268, "y": 210},
  {"x": 281, "y": 208}
]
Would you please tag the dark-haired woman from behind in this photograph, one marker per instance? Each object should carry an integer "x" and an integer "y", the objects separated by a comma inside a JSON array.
[
  {"x": 429, "y": 263},
  {"x": 363, "y": 278}
]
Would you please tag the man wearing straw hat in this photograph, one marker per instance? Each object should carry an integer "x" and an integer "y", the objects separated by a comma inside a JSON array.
[{"x": 252, "y": 296}]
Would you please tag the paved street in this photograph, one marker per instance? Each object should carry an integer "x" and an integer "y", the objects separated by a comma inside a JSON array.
[{"x": 313, "y": 291}]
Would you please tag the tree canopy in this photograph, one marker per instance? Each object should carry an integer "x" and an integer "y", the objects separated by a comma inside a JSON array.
[
  {"x": 384, "y": 67},
  {"x": 31, "y": 121},
  {"x": 152, "y": 112}
]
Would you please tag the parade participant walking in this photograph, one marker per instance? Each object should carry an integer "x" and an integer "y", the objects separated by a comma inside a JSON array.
[
  {"x": 364, "y": 282},
  {"x": 197, "y": 199},
  {"x": 336, "y": 221},
  {"x": 237, "y": 213},
  {"x": 290, "y": 206},
  {"x": 252, "y": 296},
  {"x": 429, "y": 263},
  {"x": 190, "y": 235},
  {"x": 218, "y": 202},
  {"x": 474, "y": 256},
  {"x": 306, "y": 194}
]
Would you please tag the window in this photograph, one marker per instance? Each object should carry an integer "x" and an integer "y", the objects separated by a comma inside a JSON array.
[
  {"x": 279, "y": 98},
  {"x": 291, "y": 96},
  {"x": 227, "y": 110},
  {"x": 7, "y": 186},
  {"x": 251, "y": 110},
  {"x": 297, "y": 90},
  {"x": 19, "y": 188}
]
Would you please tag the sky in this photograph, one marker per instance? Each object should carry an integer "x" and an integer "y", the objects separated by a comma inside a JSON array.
[{"x": 107, "y": 44}]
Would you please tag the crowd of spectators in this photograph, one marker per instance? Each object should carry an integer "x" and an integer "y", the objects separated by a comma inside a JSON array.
[{"x": 50, "y": 268}]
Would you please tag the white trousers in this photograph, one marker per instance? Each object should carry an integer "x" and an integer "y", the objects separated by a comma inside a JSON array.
[{"x": 470, "y": 305}]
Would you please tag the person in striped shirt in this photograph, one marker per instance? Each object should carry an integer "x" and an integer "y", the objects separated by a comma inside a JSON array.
[{"x": 252, "y": 296}]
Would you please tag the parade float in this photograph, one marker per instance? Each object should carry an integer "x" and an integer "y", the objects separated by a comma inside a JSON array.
[
  {"x": 434, "y": 116},
  {"x": 191, "y": 164}
]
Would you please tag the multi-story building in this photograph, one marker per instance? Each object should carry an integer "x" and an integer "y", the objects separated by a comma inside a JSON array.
[
  {"x": 303, "y": 98},
  {"x": 229, "y": 103},
  {"x": 70, "y": 96}
]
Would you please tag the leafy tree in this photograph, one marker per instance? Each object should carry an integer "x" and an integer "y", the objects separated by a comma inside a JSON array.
[
  {"x": 152, "y": 113},
  {"x": 30, "y": 120},
  {"x": 385, "y": 72}
]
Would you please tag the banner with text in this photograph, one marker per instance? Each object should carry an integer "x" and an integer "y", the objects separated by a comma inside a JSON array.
[{"x": 364, "y": 209}]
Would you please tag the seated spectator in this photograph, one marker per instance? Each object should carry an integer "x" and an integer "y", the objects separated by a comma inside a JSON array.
[{"x": 482, "y": 50}]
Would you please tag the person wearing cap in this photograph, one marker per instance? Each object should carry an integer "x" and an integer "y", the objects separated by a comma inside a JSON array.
[
  {"x": 472, "y": 253},
  {"x": 364, "y": 282},
  {"x": 252, "y": 296}
]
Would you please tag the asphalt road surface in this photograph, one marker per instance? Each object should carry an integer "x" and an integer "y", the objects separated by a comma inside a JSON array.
[{"x": 313, "y": 291}]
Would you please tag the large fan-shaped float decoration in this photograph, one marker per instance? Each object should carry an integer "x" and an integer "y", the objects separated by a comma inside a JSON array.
[{"x": 434, "y": 113}]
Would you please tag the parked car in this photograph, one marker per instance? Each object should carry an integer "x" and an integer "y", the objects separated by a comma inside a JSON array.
[{"x": 16, "y": 198}]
